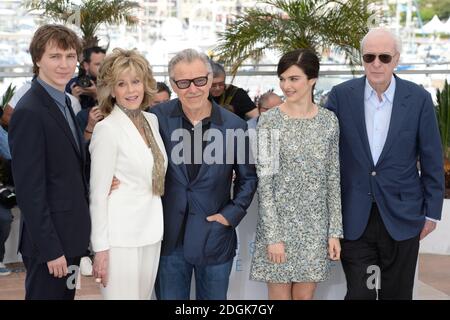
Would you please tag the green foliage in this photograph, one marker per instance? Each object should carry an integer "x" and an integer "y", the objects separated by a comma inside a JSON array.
[
  {"x": 93, "y": 13},
  {"x": 293, "y": 24},
  {"x": 443, "y": 117},
  {"x": 428, "y": 8},
  {"x": 427, "y": 13},
  {"x": 7, "y": 95}
]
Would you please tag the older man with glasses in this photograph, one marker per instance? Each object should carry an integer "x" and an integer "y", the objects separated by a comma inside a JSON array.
[
  {"x": 200, "y": 216},
  {"x": 387, "y": 124}
]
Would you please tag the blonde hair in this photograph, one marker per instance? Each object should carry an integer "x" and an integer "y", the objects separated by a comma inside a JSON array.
[{"x": 117, "y": 62}]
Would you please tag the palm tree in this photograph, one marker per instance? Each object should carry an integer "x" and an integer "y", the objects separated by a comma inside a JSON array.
[
  {"x": 92, "y": 13},
  {"x": 292, "y": 24}
]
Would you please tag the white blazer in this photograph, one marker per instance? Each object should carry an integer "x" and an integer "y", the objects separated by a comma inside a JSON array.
[{"x": 131, "y": 216}]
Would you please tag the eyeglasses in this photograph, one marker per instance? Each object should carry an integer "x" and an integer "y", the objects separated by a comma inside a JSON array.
[
  {"x": 186, "y": 83},
  {"x": 384, "y": 57}
]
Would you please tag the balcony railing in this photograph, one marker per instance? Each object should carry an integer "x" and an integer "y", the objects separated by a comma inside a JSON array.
[{"x": 258, "y": 78}]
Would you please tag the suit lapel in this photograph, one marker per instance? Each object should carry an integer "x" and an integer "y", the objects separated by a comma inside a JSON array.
[
  {"x": 157, "y": 137},
  {"x": 135, "y": 140},
  {"x": 56, "y": 113},
  {"x": 359, "y": 115},
  {"x": 174, "y": 123},
  {"x": 399, "y": 113}
]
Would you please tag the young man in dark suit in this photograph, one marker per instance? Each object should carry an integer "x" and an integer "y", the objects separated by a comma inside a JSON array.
[{"x": 48, "y": 165}]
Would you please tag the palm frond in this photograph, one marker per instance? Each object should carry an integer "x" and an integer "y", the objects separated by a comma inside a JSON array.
[
  {"x": 93, "y": 13},
  {"x": 289, "y": 25},
  {"x": 7, "y": 95}
]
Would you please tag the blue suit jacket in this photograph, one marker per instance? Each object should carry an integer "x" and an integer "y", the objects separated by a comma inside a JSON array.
[
  {"x": 205, "y": 243},
  {"x": 403, "y": 196},
  {"x": 50, "y": 180}
]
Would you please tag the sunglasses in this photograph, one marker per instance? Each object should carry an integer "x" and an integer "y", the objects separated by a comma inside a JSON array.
[
  {"x": 186, "y": 83},
  {"x": 384, "y": 57}
]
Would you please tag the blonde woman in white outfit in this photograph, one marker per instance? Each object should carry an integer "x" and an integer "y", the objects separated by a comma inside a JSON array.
[{"x": 127, "y": 224}]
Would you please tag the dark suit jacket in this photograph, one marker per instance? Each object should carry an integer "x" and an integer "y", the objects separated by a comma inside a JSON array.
[
  {"x": 51, "y": 186},
  {"x": 209, "y": 193},
  {"x": 403, "y": 196}
]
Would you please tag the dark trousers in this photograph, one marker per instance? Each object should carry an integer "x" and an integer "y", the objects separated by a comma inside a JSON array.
[
  {"x": 376, "y": 253},
  {"x": 5, "y": 228},
  {"x": 41, "y": 285}
]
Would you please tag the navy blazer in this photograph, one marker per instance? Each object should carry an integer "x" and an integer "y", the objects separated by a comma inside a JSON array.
[
  {"x": 50, "y": 180},
  {"x": 403, "y": 196},
  {"x": 205, "y": 243}
]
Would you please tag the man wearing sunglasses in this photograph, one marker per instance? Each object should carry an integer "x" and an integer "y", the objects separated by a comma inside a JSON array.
[
  {"x": 200, "y": 216},
  {"x": 387, "y": 125}
]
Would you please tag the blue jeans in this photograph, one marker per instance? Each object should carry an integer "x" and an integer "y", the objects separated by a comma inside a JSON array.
[
  {"x": 173, "y": 281},
  {"x": 5, "y": 228}
]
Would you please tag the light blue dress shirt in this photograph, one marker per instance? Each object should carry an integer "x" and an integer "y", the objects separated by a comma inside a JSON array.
[{"x": 378, "y": 116}]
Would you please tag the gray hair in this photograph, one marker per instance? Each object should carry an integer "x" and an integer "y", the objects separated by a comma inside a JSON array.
[
  {"x": 397, "y": 41},
  {"x": 188, "y": 55},
  {"x": 217, "y": 70},
  {"x": 262, "y": 101}
]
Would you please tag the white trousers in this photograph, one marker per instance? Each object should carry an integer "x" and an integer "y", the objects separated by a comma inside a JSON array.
[{"x": 131, "y": 272}]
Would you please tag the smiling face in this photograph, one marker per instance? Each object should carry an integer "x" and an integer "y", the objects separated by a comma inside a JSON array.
[
  {"x": 57, "y": 66},
  {"x": 129, "y": 90},
  {"x": 193, "y": 97},
  {"x": 379, "y": 74},
  {"x": 295, "y": 84}
]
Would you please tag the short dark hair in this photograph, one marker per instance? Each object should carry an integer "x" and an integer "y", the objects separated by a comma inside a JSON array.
[
  {"x": 161, "y": 86},
  {"x": 305, "y": 59},
  {"x": 87, "y": 53},
  {"x": 52, "y": 34},
  {"x": 217, "y": 69}
]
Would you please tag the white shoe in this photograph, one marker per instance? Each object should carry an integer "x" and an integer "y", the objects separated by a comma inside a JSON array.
[
  {"x": 86, "y": 267},
  {"x": 4, "y": 271}
]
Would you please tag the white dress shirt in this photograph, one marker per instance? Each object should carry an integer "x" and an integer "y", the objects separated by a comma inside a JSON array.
[{"x": 378, "y": 116}]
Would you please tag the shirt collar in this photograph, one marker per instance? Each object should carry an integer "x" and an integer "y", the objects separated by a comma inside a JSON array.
[
  {"x": 58, "y": 96},
  {"x": 215, "y": 116},
  {"x": 388, "y": 94}
]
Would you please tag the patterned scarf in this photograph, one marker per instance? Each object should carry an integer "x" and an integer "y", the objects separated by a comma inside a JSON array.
[{"x": 158, "y": 172}]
